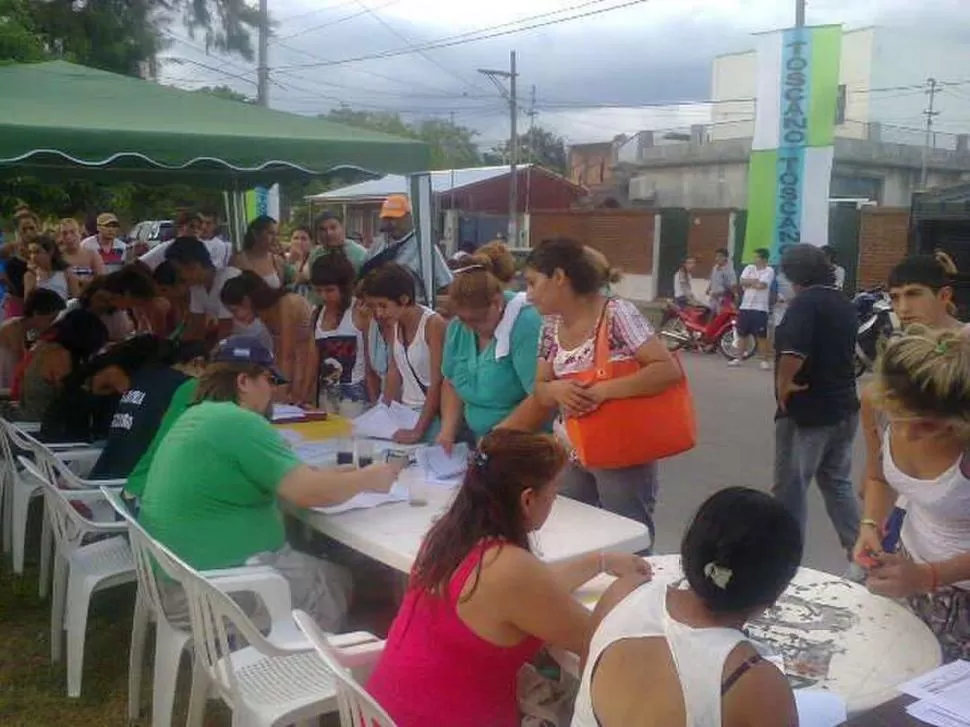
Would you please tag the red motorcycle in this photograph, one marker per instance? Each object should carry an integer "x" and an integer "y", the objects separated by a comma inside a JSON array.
[{"x": 696, "y": 329}]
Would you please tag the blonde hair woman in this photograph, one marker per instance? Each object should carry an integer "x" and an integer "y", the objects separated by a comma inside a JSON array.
[
  {"x": 85, "y": 263},
  {"x": 922, "y": 392}
]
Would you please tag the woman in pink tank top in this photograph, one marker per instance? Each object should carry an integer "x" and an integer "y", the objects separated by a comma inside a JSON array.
[{"x": 480, "y": 604}]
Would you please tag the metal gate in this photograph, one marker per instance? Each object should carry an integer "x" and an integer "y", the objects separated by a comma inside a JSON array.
[{"x": 674, "y": 226}]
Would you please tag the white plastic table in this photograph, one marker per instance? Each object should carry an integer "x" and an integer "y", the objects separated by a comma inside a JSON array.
[
  {"x": 833, "y": 634},
  {"x": 392, "y": 533}
]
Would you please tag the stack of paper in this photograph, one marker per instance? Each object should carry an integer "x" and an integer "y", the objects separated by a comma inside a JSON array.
[
  {"x": 944, "y": 695},
  {"x": 365, "y": 500},
  {"x": 287, "y": 412},
  {"x": 441, "y": 468},
  {"x": 381, "y": 421},
  {"x": 817, "y": 708}
]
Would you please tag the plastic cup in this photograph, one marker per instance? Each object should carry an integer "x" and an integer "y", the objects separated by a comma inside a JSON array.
[
  {"x": 417, "y": 489},
  {"x": 364, "y": 452}
]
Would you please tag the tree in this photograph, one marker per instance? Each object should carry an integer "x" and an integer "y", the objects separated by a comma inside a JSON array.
[
  {"x": 119, "y": 35},
  {"x": 224, "y": 92},
  {"x": 537, "y": 145},
  {"x": 452, "y": 146},
  {"x": 19, "y": 40}
]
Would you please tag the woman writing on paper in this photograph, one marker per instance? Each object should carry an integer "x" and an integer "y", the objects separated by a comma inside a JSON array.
[
  {"x": 414, "y": 364},
  {"x": 489, "y": 362},
  {"x": 566, "y": 286},
  {"x": 479, "y": 603}
]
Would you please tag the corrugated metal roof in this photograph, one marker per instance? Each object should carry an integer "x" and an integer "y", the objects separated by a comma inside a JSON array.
[{"x": 441, "y": 181}]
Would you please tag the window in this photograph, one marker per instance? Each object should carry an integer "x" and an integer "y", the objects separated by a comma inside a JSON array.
[{"x": 840, "y": 101}]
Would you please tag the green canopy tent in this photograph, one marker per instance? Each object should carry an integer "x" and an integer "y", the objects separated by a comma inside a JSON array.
[
  {"x": 64, "y": 121},
  {"x": 61, "y": 120}
]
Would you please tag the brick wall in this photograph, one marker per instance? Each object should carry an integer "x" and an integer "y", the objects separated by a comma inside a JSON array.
[
  {"x": 883, "y": 242},
  {"x": 624, "y": 236},
  {"x": 708, "y": 230}
]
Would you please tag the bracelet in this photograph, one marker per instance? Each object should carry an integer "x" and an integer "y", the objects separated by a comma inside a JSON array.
[{"x": 871, "y": 523}]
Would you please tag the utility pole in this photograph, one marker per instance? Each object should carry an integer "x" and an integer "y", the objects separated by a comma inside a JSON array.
[
  {"x": 932, "y": 87},
  {"x": 532, "y": 150},
  {"x": 262, "y": 69},
  {"x": 511, "y": 95},
  {"x": 799, "y": 13}
]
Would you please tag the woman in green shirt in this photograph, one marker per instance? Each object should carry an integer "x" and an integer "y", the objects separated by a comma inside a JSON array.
[{"x": 488, "y": 364}]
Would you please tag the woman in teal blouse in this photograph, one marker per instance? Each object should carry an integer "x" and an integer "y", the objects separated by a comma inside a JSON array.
[{"x": 489, "y": 360}]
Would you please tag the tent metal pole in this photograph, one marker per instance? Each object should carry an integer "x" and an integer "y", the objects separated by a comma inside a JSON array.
[{"x": 419, "y": 186}]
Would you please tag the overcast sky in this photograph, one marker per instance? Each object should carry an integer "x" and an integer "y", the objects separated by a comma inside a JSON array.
[{"x": 593, "y": 76}]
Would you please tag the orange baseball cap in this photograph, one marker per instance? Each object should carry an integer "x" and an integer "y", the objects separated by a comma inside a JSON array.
[{"x": 396, "y": 206}]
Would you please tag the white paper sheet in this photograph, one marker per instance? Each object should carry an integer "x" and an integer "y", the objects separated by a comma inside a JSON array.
[
  {"x": 366, "y": 500},
  {"x": 317, "y": 454},
  {"x": 381, "y": 421},
  {"x": 282, "y": 412},
  {"x": 441, "y": 468},
  {"x": 949, "y": 685},
  {"x": 936, "y": 715},
  {"x": 818, "y": 708},
  {"x": 293, "y": 438}
]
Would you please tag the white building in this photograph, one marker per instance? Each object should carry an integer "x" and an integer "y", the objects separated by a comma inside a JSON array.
[
  {"x": 883, "y": 80},
  {"x": 879, "y": 135}
]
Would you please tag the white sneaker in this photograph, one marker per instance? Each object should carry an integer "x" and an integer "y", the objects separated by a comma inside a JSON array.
[
  {"x": 735, "y": 362},
  {"x": 765, "y": 366}
]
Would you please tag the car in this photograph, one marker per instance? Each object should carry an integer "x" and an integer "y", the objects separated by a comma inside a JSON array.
[{"x": 150, "y": 233}]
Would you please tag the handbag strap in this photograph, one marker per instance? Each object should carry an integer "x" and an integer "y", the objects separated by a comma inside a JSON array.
[{"x": 602, "y": 363}]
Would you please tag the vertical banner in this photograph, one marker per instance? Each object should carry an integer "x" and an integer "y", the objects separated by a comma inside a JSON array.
[
  {"x": 263, "y": 201},
  {"x": 794, "y": 133}
]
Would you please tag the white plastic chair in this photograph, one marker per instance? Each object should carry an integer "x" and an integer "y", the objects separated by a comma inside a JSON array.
[
  {"x": 79, "y": 569},
  {"x": 20, "y": 491},
  {"x": 264, "y": 683},
  {"x": 357, "y": 707},
  {"x": 57, "y": 460},
  {"x": 171, "y": 641}
]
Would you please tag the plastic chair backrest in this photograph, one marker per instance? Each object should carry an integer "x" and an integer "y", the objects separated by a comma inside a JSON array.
[
  {"x": 7, "y": 465},
  {"x": 357, "y": 707},
  {"x": 67, "y": 523},
  {"x": 142, "y": 554},
  {"x": 217, "y": 621}
]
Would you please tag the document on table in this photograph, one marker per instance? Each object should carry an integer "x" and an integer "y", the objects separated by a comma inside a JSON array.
[
  {"x": 818, "y": 708},
  {"x": 441, "y": 468},
  {"x": 944, "y": 695},
  {"x": 381, "y": 421},
  {"x": 285, "y": 412},
  {"x": 367, "y": 500}
]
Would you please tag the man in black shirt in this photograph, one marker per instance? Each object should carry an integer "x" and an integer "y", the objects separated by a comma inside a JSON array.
[
  {"x": 145, "y": 396},
  {"x": 815, "y": 389}
]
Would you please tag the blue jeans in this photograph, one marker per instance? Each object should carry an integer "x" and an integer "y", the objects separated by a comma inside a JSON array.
[{"x": 825, "y": 454}]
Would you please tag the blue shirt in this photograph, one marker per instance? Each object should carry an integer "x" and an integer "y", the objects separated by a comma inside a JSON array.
[{"x": 491, "y": 388}]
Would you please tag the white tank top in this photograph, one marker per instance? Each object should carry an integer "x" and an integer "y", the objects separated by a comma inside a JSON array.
[
  {"x": 415, "y": 363},
  {"x": 937, "y": 522},
  {"x": 698, "y": 654},
  {"x": 58, "y": 283}
]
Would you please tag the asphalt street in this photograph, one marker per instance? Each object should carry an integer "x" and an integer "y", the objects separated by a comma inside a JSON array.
[{"x": 735, "y": 410}]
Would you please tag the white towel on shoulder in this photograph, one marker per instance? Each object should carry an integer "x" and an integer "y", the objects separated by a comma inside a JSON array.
[{"x": 503, "y": 332}]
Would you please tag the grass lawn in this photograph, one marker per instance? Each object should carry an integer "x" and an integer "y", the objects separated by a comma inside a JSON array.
[{"x": 33, "y": 691}]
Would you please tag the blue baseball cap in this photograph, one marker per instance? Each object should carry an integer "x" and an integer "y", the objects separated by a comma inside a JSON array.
[{"x": 248, "y": 350}]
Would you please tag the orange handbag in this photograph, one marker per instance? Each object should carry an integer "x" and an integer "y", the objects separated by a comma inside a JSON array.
[{"x": 634, "y": 431}]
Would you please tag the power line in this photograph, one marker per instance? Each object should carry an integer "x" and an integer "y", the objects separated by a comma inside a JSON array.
[
  {"x": 314, "y": 11},
  {"x": 338, "y": 21},
  {"x": 407, "y": 41},
  {"x": 450, "y": 41}
]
